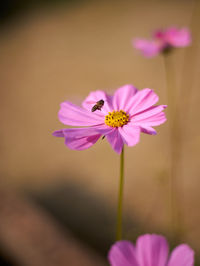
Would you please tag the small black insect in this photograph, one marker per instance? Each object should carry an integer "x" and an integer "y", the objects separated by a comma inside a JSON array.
[{"x": 98, "y": 105}]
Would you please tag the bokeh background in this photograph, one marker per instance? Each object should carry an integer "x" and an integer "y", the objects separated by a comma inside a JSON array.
[{"x": 58, "y": 206}]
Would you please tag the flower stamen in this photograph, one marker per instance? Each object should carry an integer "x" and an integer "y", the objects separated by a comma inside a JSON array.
[{"x": 116, "y": 118}]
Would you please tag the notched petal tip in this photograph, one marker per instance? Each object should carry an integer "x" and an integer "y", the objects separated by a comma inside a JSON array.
[{"x": 154, "y": 247}]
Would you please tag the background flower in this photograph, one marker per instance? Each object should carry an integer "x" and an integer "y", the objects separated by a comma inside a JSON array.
[
  {"x": 121, "y": 119},
  {"x": 150, "y": 250},
  {"x": 163, "y": 40}
]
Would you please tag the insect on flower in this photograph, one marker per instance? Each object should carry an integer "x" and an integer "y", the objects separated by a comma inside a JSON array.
[
  {"x": 120, "y": 118},
  {"x": 98, "y": 105}
]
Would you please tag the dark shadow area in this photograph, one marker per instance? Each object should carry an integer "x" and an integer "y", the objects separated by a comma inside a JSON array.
[
  {"x": 88, "y": 217},
  {"x": 6, "y": 260},
  {"x": 11, "y": 9}
]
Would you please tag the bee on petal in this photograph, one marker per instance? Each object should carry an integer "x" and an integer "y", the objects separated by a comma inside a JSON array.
[{"x": 98, "y": 106}]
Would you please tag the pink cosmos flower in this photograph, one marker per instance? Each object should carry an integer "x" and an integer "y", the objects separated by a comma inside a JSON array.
[
  {"x": 150, "y": 250},
  {"x": 163, "y": 41},
  {"x": 120, "y": 119}
]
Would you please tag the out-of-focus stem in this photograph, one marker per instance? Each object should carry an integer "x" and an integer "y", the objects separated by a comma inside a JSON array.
[
  {"x": 190, "y": 68},
  {"x": 120, "y": 197},
  {"x": 175, "y": 148}
]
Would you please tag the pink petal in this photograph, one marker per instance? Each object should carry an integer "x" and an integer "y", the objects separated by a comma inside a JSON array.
[
  {"x": 122, "y": 253},
  {"x": 104, "y": 129},
  {"x": 178, "y": 38},
  {"x": 123, "y": 96},
  {"x": 152, "y": 250},
  {"x": 147, "y": 48},
  {"x": 154, "y": 120},
  {"x": 142, "y": 100},
  {"x": 159, "y": 34},
  {"x": 147, "y": 123},
  {"x": 58, "y": 133},
  {"x": 148, "y": 130},
  {"x": 143, "y": 117},
  {"x": 80, "y": 138},
  {"x": 73, "y": 115},
  {"x": 115, "y": 140},
  {"x": 96, "y": 96},
  {"x": 182, "y": 255},
  {"x": 130, "y": 134}
]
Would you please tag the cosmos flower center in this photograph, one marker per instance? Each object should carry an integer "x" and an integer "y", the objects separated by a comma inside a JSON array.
[{"x": 116, "y": 118}]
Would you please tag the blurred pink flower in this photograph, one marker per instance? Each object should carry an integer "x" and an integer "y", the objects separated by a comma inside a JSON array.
[
  {"x": 163, "y": 41},
  {"x": 150, "y": 250},
  {"x": 121, "y": 118}
]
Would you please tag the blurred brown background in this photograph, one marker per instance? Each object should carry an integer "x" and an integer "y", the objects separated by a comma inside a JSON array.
[{"x": 57, "y": 50}]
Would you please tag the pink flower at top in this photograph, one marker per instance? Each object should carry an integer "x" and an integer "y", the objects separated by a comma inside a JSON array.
[
  {"x": 163, "y": 41},
  {"x": 150, "y": 250},
  {"x": 120, "y": 118}
]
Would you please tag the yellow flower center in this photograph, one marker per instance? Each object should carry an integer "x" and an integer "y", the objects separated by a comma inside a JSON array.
[{"x": 117, "y": 118}]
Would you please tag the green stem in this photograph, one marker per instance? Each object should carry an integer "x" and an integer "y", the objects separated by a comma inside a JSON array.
[{"x": 120, "y": 197}]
